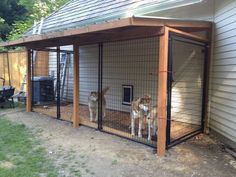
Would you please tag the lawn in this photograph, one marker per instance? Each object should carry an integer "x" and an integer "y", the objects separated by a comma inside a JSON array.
[{"x": 21, "y": 154}]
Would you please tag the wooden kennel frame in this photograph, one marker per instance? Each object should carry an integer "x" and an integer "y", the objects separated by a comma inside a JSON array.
[{"x": 117, "y": 30}]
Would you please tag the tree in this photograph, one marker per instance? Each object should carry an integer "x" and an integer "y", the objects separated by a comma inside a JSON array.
[
  {"x": 36, "y": 9},
  {"x": 10, "y": 11}
]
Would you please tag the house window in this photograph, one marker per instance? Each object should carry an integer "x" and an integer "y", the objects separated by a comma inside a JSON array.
[{"x": 127, "y": 94}]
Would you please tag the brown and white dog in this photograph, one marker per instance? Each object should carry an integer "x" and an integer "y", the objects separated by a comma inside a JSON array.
[
  {"x": 152, "y": 122},
  {"x": 93, "y": 104},
  {"x": 142, "y": 109}
]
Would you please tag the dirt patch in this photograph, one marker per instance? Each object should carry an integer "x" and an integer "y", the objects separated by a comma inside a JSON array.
[
  {"x": 87, "y": 152},
  {"x": 6, "y": 165}
]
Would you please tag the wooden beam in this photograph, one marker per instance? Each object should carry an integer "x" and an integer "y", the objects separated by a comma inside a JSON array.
[
  {"x": 189, "y": 35},
  {"x": 76, "y": 118},
  {"x": 120, "y": 34},
  {"x": 170, "y": 22},
  {"x": 29, "y": 89},
  {"x": 162, "y": 92}
]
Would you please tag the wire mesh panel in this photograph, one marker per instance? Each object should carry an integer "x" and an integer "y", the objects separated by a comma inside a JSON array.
[
  {"x": 129, "y": 89},
  {"x": 52, "y": 82},
  {"x": 187, "y": 79},
  {"x": 88, "y": 72},
  {"x": 66, "y": 84},
  {"x": 43, "y": 94}
]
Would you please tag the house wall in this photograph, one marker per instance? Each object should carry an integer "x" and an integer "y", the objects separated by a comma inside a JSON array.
[
  {"x": 222, "y": 102},
  {"x": 223, "y": 76},
  {"x": 52, "y": 71}
]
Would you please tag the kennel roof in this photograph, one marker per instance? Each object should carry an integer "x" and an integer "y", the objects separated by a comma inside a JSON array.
[
  {"x": 92, "y": 21},
  {"x": 122, "y": 29}
]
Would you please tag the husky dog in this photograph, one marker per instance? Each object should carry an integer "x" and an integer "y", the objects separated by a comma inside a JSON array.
[
  {"x": 93, "y": 103},
  {"x": 139, "y": 109},
  {"x": 152, "y": 122}
]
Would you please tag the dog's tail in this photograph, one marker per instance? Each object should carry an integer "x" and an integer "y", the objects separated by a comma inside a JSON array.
[{"x": 104, "y": 91}]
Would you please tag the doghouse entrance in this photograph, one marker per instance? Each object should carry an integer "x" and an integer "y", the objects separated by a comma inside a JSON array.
[{"x": 186, "y": 84}]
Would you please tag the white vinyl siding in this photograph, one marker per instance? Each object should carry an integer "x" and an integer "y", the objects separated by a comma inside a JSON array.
[
  {"x": 88, "y": 69},
  {"x": 68, "y": 88},
  {"x": 223, "y": 76}
]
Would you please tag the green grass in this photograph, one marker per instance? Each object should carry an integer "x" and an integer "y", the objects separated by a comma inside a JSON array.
[{"x": 21, "y": 154}]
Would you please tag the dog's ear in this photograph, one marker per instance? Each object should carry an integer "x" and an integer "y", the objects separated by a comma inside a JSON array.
[
  {"x": 147, "y": 97},
  {"x": 150, "y": 97},
  {"x": 139, "y": 99}
]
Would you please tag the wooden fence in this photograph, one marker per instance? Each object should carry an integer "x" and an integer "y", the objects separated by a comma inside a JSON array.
[{"x": 13, "y": 66}]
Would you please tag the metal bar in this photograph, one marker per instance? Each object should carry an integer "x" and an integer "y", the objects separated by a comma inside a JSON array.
[
  {"x": 53, "y": 50},
  {"x": 187, "y": 40},
  {"x": 132, "y": 139},
  {"x": 204, "y": 89},
  {"x": 169, "y": 90},
  {"x": 32, "y": 77},
  {"x": 125, "y": 137},
  {"x": 58, "y": 84},
  {"x": 184, "y": 138},
  {"x": 100, "y": 112}
]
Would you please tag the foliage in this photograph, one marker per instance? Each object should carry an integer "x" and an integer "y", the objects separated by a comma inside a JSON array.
[
  {"x": 27, "y": 12},
  {"x": 10, "y": 11},
  {"x": 21, "y": 154}
]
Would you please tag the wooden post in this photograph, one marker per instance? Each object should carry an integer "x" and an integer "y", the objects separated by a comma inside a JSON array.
[
  {"x": 162, "y": 92},
  {"x": 76, "y": 87},
  {"x": 29, "y": 89}
]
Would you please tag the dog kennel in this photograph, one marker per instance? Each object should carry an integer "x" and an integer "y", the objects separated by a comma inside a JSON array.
[
  {"x": 134, "y": 58},
  {"x": 129, "y": 69}
]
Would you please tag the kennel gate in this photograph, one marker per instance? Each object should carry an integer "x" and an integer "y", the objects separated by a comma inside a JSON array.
[{"x": 186, "y": 86}]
